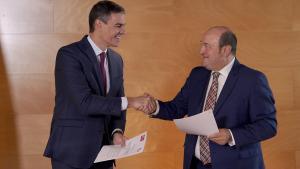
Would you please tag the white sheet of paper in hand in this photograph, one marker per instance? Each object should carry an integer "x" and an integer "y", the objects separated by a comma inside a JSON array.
[
  {"x": 133, "y": 146},
  {"x": 200, "y": 124}
]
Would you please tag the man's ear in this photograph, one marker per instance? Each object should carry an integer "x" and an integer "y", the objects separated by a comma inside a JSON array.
[
  {"x": 98, "y": 23},
  {"x": 226, "y": 50}
]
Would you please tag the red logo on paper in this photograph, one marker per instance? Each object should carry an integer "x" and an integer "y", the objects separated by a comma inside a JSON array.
[{"x": 142, "y": 138}]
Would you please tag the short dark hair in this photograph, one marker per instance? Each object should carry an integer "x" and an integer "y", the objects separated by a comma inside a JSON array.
[
  {"x": 228, "y": 38},
  {"x": 102, "y": 11}
]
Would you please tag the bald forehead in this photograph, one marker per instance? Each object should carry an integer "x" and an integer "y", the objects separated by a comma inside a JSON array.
[
  {"x": 221, "y": 29},
  {"x": 213, "y": 34},
  {"x": 218, "y": 31}
]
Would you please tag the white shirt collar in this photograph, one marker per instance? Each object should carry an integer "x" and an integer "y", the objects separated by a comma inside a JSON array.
[{"x": 96, "y": 49}]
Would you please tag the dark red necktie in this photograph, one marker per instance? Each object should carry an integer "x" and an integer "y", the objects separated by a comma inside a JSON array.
[{"x": 102, "y": 70}]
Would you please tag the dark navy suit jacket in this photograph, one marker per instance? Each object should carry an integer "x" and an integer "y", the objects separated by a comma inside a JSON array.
[
  {"x": 245, "y": 106},
  {"x": 84, "y": 115}
]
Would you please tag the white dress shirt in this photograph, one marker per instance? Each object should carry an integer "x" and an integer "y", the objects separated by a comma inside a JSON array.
[
  {"x": 224, "y": 72},
  {"x": 97, "y": 51}
]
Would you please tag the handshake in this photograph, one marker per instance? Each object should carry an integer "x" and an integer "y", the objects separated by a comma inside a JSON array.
[{"x": 145, "y": 103}]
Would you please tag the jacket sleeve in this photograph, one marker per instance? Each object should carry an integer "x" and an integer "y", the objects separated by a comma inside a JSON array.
[
  {"x": 118, "y": 122},
  {"x": 178, "y": 107},
  {"x": 262, "y": 114}
]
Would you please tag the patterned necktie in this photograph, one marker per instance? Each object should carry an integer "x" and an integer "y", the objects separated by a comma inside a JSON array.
[
  {"x": 102, "y": 70},
  {"x": 209, "y": 104}
]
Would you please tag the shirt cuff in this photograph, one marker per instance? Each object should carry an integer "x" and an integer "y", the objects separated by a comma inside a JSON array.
[
  {"x": 117, "y": 131},
  {"x": 124, "y": 104},
  {"x": 157, "y": 109},
  {"x": 232, "y": 142}
]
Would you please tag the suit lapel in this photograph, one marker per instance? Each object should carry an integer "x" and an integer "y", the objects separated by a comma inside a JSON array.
[
  {"x": 198, "y": 96},
  {"x": 87, "y": 49},
  {"x": 229, "y": 85},
  {"x": 204, "y": 93}
]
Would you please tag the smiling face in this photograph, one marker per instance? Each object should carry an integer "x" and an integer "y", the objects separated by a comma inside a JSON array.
[
  {"x": 214, "y": 57},
  {"x": 109, "y": 34}
]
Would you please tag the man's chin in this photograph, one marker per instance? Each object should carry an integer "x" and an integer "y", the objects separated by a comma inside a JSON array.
[
  {"x": 204, "y": 64},
  {"x": 114, "y": 44}
]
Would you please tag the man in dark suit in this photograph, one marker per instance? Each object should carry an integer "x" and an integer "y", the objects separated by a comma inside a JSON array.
[
  {"x": 242, "y": 104},
  {"x": 90, "y": 103}
]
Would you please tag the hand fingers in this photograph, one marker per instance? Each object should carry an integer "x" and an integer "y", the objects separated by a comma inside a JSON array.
[
  {"x": 152, "y": 107},
  {"x": 123, "y": 141},
  {"x": 147, "y": 95},
  {"x": 146, "y": 104},
  {"x": 140, "y": 108},
  {"x": 143, "y": 109},
  {"x": 151, "y": 104},
  {"x": 117, "y": 141},
  {"x": 221, "y": 139},
  {"x": 215, "y": 135}
]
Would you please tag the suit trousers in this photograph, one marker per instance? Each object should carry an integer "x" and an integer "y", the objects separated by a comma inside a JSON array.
[
  {"x": 197, "y": 164},
  {"x": 60, "y": 165}
]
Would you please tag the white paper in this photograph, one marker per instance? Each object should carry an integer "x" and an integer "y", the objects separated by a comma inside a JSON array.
[
  {"x": 133, "y": 146},
  {"x": 201, "y": 124}
]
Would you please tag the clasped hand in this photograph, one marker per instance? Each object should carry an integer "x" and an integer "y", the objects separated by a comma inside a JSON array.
[{"x": 145, "y": 103}]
